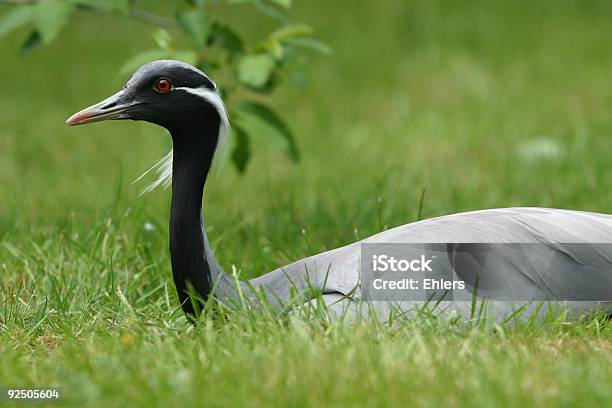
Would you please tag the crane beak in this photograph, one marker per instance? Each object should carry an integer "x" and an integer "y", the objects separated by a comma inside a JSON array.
[{"x": 112, "y": 108}]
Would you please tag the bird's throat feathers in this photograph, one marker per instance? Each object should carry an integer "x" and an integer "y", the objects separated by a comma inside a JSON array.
[{"x": 192, "y": 265}]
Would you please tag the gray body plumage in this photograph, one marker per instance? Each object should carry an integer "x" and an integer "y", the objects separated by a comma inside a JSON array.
[{"x": 583, "y": 268}]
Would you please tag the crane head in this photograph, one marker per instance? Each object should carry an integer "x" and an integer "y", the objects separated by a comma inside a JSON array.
[{"x": 168, "y": 93}]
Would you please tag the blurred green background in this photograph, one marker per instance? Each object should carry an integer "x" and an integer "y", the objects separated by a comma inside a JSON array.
[{"x": 481, "y": 104}]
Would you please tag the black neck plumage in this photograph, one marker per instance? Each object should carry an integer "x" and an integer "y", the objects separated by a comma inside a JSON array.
[{"x": 194, "y": 266}]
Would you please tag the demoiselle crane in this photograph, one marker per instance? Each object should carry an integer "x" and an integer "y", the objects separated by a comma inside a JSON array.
[{"x": 531, "y": 254}]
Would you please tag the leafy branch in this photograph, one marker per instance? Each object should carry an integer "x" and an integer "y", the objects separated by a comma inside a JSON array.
[{"x": 254, "y": 70}]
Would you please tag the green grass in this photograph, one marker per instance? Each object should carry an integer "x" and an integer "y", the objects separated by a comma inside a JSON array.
[{"x": 483, "y": 105}]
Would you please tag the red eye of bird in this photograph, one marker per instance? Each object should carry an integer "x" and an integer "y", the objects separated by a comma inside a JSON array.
[{"x": 163, "y": 86}]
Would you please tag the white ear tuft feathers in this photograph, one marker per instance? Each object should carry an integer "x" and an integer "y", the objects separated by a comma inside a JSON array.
[{"x": 163, "y": 167}]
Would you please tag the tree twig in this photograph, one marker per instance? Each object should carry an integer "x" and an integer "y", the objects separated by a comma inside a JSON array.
[
  {"x": 17, "y": 2},
  {"x": 136, "y": 14}
]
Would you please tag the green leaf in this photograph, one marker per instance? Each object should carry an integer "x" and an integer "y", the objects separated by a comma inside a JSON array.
[
  {"x": 273, "y": 47},
  {"x": 268, "y": 10},
  {"x": 273, "y": 44},
  {"x": 255, "y": 70},
  {"x": 267, "y": 115},
  {"x": 292, "y": 31},
  {"x": 194, "y": 23},
  {"x": 15, "y": 18},
  {"x": 282, "y": 3},
  {"x": 163, "y": 39},
  {"x": 242, "y": 150},
  {"x": 33, "y": 41},
  {"x": 50, "y": 16},
  {"x": 227, "y": 37},
  {"x": 311, "y": 44},
  {"x": 142, "y": 58}
]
